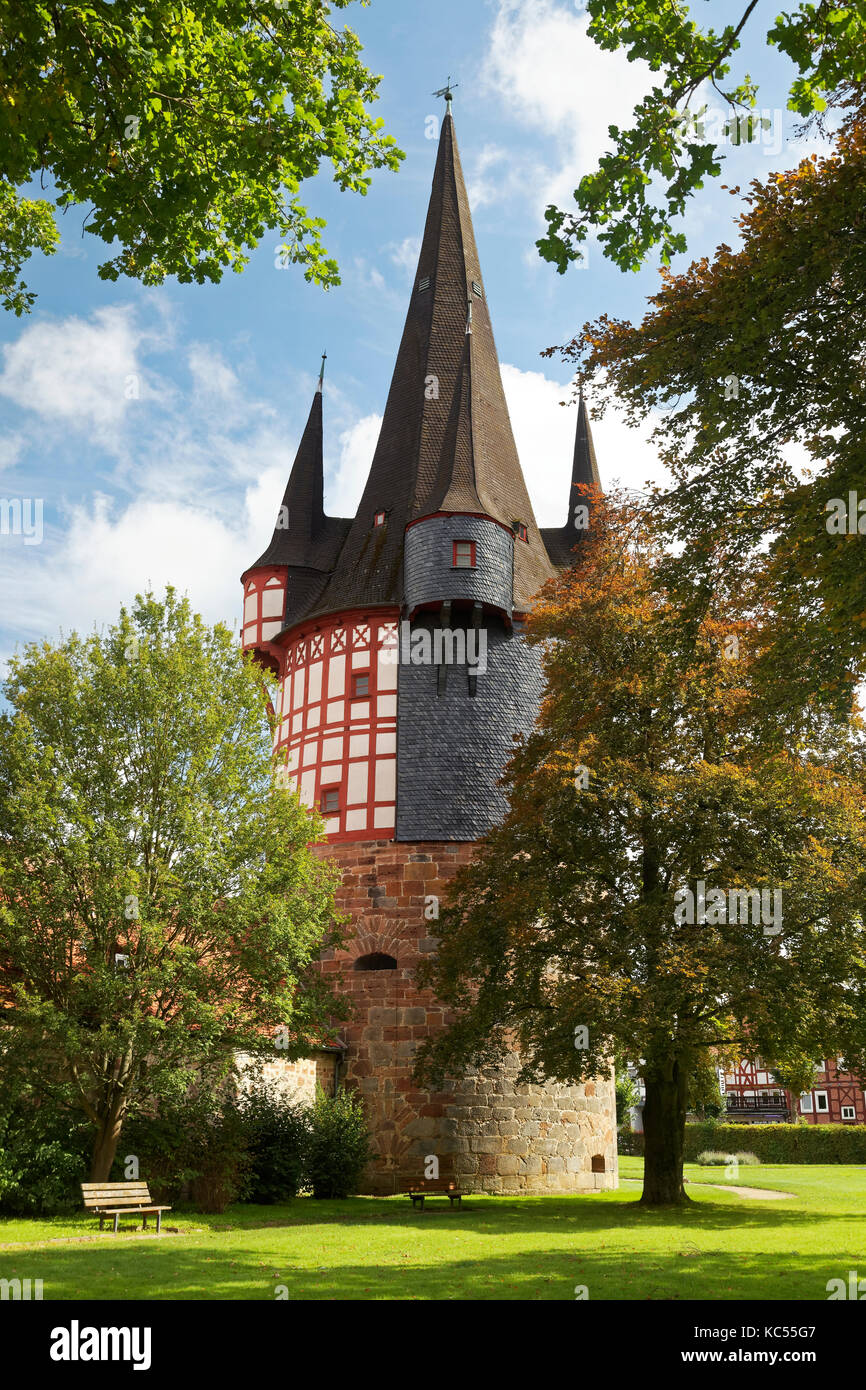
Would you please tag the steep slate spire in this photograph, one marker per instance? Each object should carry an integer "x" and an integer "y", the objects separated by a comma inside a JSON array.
[
  {"x": 304, "y": 539},
  {"x": 561, "y": 540},
  {"x": 446, "y": 442}
]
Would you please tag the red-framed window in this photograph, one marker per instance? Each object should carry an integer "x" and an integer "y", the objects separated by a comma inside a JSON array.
[
  {"x": 378, "y": 518},
  {"x": 330, "y": 800},
  {"x": 361, "y": 685},
  {"x": 520, "y": 531},
  {"x": 463, "y": 555}
]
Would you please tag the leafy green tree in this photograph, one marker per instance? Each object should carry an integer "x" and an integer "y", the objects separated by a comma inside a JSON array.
[
  {"x": 338, "y": 1144},
  {"x": 627, "y": 1097},
  {"x": 186, "y": 127},
  {"x": 160, "y": 907},
  {"x": 644, "y": 184},
  {"x": 751, "y": 363},
  {"x": 644, "y": 799}
]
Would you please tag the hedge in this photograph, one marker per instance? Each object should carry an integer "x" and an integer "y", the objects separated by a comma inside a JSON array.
[{"x": 771, "y": 1143}]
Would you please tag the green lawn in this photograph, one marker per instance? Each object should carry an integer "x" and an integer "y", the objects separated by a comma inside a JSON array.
[{"x": 724, "y": 1247}]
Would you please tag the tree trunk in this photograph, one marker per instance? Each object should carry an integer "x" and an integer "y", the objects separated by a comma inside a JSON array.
[
  {"x": 104, "y": 1148},
  {"x": 664, "y": 1123}
]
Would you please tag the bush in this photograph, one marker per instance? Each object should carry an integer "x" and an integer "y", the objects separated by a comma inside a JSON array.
[
  {"x": 44, "y": 1155},
  {"x": 770, "y": 1143},
  {"x": 195, "y": 1145},
  {"x": 338, "y": 1146},
  {"x": 711, "y": 1158},
  {"x": 277, "y": 1134}
]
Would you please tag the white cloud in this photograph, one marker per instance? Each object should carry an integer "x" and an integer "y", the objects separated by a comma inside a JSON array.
[
  {"x": 544, "y": 434},
  {"x": 405, "y": 254},
  {"x": 357, "y": 445},
  {"x": 554, "y": 79},
  {"x": 72, "y": 371}
]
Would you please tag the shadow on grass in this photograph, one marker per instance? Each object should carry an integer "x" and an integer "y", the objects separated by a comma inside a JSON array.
[{"x": 533, "y": 1275}]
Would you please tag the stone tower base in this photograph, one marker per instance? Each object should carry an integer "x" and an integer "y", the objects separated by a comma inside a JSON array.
[{"x": 488, "y": 1133}]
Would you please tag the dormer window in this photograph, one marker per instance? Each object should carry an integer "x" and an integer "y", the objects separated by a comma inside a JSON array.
[
  {"x": 520, "y": 531},
  {"x": 378, "y": 518},
  {"x": 330, "y": 800},
  {"x": 463, "y": 555},
  {"x": 424, "y": 284}
]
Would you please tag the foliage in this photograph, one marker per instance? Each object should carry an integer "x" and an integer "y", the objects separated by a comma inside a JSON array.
[
  {"x": 704, "y": 1096},
  {"x": 160, "y": 906},
  {"x": 752, "y": 365},
  {"x": 43, "y": 1157},
  {"x": 573, "y": 914},
  {"x": 667, "y": 155},
  {"x": 277, "y": 1135},
  {"x": 712, "y": 1158},
  {"x": 776, "y": 1143},
  {"x": 627, "y": 1097},
  {"x": 338, "y": 1147},
  {"x": 195, "y": 1144},
  {"x": 185, "y": 126}
]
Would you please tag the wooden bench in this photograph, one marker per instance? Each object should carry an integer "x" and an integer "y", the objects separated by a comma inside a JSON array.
[
  {"x": 117, "y": 1198},
  {"x": 434, "y": 1187}
]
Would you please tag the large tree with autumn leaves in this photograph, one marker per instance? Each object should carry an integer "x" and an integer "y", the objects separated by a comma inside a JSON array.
[
  {"x": 752, "y": 364},
  {"x": 650, "y": 785}
]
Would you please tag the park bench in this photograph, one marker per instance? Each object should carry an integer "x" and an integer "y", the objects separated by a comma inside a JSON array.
[
  {"x": 434, "y": 1187},
  {"x": 119, "y": 1198}
]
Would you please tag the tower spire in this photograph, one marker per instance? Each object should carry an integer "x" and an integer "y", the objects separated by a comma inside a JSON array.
[
  {"x": 561, "y": 540},
  {"x": 445, "y": 443}
]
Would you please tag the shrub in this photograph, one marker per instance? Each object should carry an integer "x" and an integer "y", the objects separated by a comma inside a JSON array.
[
  {"x": 277, "y": 1132},
  {"x": 338, "y": 1147},
  {"x": 794, "y": 1143},
  {"x": 195, "y": 1145},
  {"x": 712, "y": 1158},
  {"x": 44, "y": 1155}
]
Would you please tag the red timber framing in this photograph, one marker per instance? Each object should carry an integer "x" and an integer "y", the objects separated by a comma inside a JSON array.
[
  {"x": 264, "y": 604},
  {"x": 836, "y": 1098},
  {"x": 335, "y": 741}
]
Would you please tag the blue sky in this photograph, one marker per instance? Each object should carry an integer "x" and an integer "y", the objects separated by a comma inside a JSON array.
[{"x": 159, "y": 425}]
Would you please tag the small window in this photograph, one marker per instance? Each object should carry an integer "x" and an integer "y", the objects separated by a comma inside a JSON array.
[
  {"x": 425, "y": 283},
  {"x": 520, "y": 531},
  {"x": 821, "y": 1101},
  {"x": 377, "y": 960},
  {"x": 360, "y": 686},
  {"x": 331, "y": 800},
  {"x": 848, "y": 1112},
  {"x": 463, "y": 555},
  {"x": 379, "y": 519},
  {"x": 121, "y": 961},
  {"x": 806, "y": 1105},
  {"x": 476, "y": 288}
]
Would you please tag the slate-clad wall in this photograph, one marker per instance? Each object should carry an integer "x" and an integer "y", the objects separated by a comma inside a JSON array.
[
  {"x": 452, "y": 748},
  {"x": 429, "y": 573}
]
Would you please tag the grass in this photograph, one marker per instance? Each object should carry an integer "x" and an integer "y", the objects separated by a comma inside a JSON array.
[{"x": 723, "y": 1247}]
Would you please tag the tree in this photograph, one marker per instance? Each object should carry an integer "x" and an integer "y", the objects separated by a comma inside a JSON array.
[
  {"x": 747, "y": 357},
  {"x": 187, "y": 126},
  {"x": 674, "y": 143},
  {"x": 662, "y": 879},
  {"x": 160, "y": 908}
]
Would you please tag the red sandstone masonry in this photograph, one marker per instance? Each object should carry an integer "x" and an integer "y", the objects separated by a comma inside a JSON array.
[{"x": 490, "y": 1134}]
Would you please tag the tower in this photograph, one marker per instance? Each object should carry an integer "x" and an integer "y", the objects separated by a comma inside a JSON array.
[{"x": 396, "y": 637}]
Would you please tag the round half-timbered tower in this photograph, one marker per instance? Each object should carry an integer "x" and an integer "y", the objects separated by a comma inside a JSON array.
[{"x": 396, "y": 638}]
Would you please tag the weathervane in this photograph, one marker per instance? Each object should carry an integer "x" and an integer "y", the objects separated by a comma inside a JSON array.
[
  {"x": 446, "y": 91},
  {"x": 322, "y": 371}
]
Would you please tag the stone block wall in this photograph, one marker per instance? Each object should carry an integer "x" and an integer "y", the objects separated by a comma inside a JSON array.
[{"x": 488, "y": 1132}]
